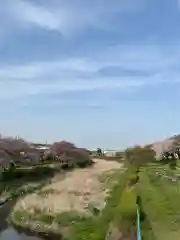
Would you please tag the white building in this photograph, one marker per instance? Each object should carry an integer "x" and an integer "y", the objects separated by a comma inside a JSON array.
[{"x": 109, "y": 153}]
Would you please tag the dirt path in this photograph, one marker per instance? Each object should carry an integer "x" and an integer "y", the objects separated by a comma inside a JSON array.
[{"x": 74, "y": 192}]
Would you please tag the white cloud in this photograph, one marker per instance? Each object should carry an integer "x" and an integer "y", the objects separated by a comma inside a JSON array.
[
  {"x": 157, "y": 59},
  {"x": 39, "y": 69},
  {"x": 141, "y": 57},
  {"x": 17, "y": 89},
  {"x": 43, "y": 78},
  {"x": 68, "y": 16},
  {"x": 26, "y": 11}
]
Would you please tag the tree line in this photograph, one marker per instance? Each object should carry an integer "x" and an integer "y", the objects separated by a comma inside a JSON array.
[{"x": 59, "y": 151}]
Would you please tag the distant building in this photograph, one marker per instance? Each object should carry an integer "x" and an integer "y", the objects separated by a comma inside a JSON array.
[
  {"x": 109, "y": 153},
  {"x": 37, "y": 146},
  {"x": 45, "y": 148}
]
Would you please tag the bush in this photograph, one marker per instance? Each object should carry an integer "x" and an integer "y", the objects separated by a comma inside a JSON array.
[
  {"x": 27, "y": 173},
  {"x": 138, "y": 156},
  {"x": 80, "y": 157},
  {"x": 173, "y": 164},
  {"x": 8, "y": 174}
]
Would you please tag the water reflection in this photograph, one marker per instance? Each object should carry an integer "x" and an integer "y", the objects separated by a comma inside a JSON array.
[{"x": 11, "y": 234}]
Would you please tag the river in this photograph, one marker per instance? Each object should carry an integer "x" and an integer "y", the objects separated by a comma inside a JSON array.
[
  {"x": 12, "y": 234},
  {"x": 7, "y": 232}
]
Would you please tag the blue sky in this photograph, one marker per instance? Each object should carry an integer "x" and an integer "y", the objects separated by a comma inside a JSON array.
[{"x": 99, "y": 73}]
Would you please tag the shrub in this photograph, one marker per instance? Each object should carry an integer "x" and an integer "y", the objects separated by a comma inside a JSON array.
[
  {"x": 27, "y": 173},
  {"x": 80, "y": 157},
  {"x": 138, "y": 156},
  {"x": 8, "y": 174},
  {"x": 173, "y": 164}
]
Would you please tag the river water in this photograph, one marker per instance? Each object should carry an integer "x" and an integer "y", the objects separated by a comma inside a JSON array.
[
  {"x": 9, "y": 233},
  {"x": 12, "y": 234}
]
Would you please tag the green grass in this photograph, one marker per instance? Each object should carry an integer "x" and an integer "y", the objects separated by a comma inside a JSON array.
[{"x": 160, "y": 202}]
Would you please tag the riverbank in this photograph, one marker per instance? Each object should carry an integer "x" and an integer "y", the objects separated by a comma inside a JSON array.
[
  {"x": 37, "y": 229},
  {"x": 68, "y": 207},
  {"x": 27, "y": 181},
  {"x": 22, "y": 181}
]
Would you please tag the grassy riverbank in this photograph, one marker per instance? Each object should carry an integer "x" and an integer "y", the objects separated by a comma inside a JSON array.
[
  {"x": 19, "y": 182},
  {"x": 94, "y": 195},
  {"x": 159, "y": 189}
]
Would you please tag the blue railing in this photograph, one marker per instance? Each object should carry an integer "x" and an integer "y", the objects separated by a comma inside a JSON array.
[{"x": 139, "y": 237}]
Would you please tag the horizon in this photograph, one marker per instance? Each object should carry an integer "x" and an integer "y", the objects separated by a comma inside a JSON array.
[{"x": 93, "y": 73}]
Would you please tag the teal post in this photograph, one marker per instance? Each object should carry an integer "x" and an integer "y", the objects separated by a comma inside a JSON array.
[{"x": 139, "y": 237}]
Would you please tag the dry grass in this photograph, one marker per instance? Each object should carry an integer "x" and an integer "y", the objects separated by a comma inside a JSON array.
[{"x": 74, "y": 192}]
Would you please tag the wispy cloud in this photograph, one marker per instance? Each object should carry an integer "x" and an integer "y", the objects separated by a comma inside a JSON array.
[
  {"x": 68, "y": 16},
  {"x": 152, "y": 65},
  {"x": 110, "y": 65},
  {"x": 29, "y": 12},
  {"x": 11, "y": 90}
]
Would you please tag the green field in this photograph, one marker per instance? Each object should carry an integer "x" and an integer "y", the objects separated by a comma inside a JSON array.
[{"x": 160, "y": 202}]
